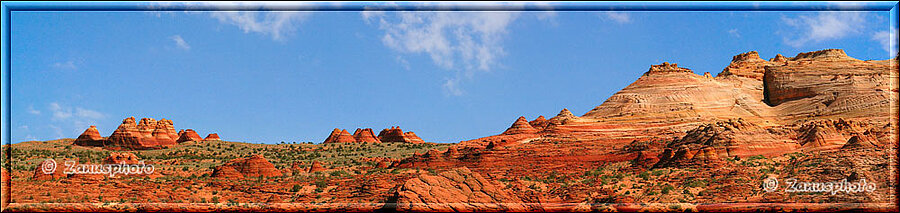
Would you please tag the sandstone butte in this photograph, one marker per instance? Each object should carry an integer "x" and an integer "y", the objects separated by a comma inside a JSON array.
[
  {"x": 186, "y": 135},
  {"x": 146, "y": 134},
  {"x": 393, "y": 134},
  {"x": 815, "y": 101},
  {"x": 253, "y": 166},
  {"x": 212, "y": 137}
]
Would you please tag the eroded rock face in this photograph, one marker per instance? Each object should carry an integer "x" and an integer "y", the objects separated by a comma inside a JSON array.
[
  {"x": 148, "y": 134},
  {"x": 365, "y": 135},
  {"x": 829, "y": 84},
  {"x": 56, "y": 174},
  {"x": 212, "y": 137},
  {"x": 253, "y": 166},
  {"x": 520, "y": 126},
  {"x": 458, "y": 189},
  {"x": 339, "y": 136},
  {"x": 121, "y": 157},
  {"x": 539, "y": 123},
  {"x": 747, "y": 65},
  {"x": 90, "y": 137},
  {"x": 395, "y": 134},
  {"x": 188, "y": 135},
  {"x": 316, "y": 166}
]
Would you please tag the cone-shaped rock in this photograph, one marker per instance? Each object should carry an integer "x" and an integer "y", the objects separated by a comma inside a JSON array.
[
  {"x": 339, "y": 136},
  {"x": 253, "y": 166},
  {"x": 212, "y": 137},
  {"x": 365, "y": 135},
  {"x": 189, "y": 135},
  {"x": 90, "y": 137},
  {"x": 521, "y": 126}
]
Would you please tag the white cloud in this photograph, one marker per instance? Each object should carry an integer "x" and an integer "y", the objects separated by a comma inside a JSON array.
[
  {"x": 68, "y": 65},
  {"x": 619, "y": 17},
  {"x": 463, "y": 42},
  {"x": 734, "y": 32},
  {"x": 276, "y": 24},
  {"x": 451, "y": 87},
  {"x": 59, "y": 113},
  {"x": 180, "y": 43},
  {"x": 822, "y": 27},
  {"x": 888, "y": 40},
  {"x": 74, "y": 118},
  {"x": 32, "y": 111}
]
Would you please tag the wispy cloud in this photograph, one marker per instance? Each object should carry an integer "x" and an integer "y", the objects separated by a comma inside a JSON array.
[
  {"x": 463, "y": 42},
  {"x": 276, "y": 24},
  {"x": 734, "y": 32},
  {"x": 888, "y": 40},
  {"x": 32, "y": 111},
  {"x": 67, "y": 65},
  {"x": 74, "y": 118},
  {"x": 180, "y": 43},
  {"x": 618, "y": 17},
  {"x": 823, "y": 26}
]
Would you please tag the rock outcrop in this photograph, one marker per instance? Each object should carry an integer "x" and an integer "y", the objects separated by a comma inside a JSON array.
[
  {"x": 520, "y": 126},
  {"x": 53, "y": 171},
  {"x": 365, "y": 135},
  {"x": 148, "y": 134},
  {"x": 90, "y": 137},
  {"x": 458, "y": 190},
  {"x": 316, "y": 166},
  {"x": 339, "y": 136},
  {"x": 395, "y": 134},
  {"x": 253, "y": 166},
  {"x": 212, "y": 137},
  {"x": 188, "y": 135},
  {"x": 748, "y": 65},
  {"x": 539, "y": 123},
  {"x": 121, "y": 157}
]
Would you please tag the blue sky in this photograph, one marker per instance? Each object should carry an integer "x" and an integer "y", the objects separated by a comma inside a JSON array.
[{"x": 266, "y": 77}]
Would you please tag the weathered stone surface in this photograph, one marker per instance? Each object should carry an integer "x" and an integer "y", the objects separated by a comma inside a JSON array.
[
  {"x": 90, "y": 137},
  {"x": 39, "y": 173},
  {"x": 188, "y": 135},
  {"x": 539, "y": 123},
  {"x": 316, "y": 166},
  {"x": 395, "y": 134},
  {"x": 747, "y": 65},
  {"x": 365, "y": 135},
  {"x": 148, "y": 134},
  {"x": 212, "y": 137},
  {"x": 253, "y": 166},
  {"x": 520, "y": 126},
  {"x": 339, "y": 136},
  {"x": 121, "y": 157},
  {"x": 459, "y": 189}
]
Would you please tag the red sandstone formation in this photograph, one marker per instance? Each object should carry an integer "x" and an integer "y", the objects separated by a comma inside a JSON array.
[
  {"x": 56, "y": 173},
  {"x": 339, "y": 136},
  {"x": 90, "y": 137},
  {"x": 821, "y": 100},
  {"x": 315, "y": 167},
  {"x": 521, "y": 126},
  {"x": 539, "y": 123},
  {"x": 148, "y": 134},
  {"x": 212, "y": 137},
  {"x": 395, "y": 134},
  {"x": 188, "y": 135},
  {"x": 253, "y": 166},
  {"x": 121, "y": 157},
  {"x": 365, "y": 135},
  {"x": 458, "y": 190}
]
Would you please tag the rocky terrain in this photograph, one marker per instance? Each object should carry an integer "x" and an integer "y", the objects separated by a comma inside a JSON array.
[
  {"x": 148, "y": 134},
  {"x": 673, "y": 140}
]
